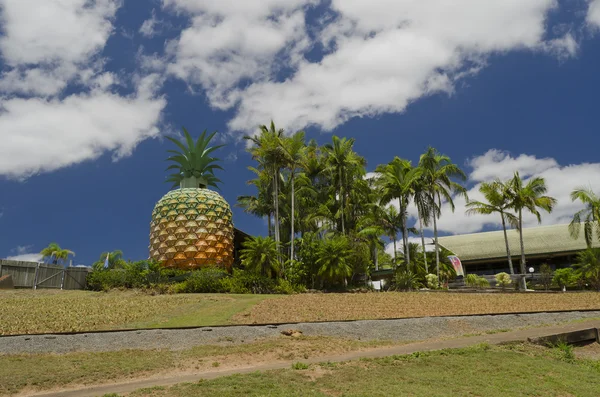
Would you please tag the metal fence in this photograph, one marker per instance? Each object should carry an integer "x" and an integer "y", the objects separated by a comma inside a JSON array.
[{"x": 41, "y": 275}]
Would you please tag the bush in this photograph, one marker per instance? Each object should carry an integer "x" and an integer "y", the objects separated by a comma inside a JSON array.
[
  {"x": 406, "y": 280},
  {"x": 105, "y": 280},
  {"x": 546, "y": 276},
  {"x": 503, "y": 280},
  {"x": 432, "y": 281},
  {"x": 483, "y": 282},
  {"x": 209, "y": 279},
  {"x": 471, "y": 280},
  {"x": 564, "y": 277}
]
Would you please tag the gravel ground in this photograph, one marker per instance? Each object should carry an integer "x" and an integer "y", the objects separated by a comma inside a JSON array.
[{"x": 397, "y": 330}]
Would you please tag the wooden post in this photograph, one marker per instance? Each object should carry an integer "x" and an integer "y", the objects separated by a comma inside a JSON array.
[
  {"x": 35, "y": 278},
  {"x": 62, "y": 280}
]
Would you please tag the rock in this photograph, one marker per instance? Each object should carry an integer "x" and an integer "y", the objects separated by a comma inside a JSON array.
[{"x": 292, "y": 332}]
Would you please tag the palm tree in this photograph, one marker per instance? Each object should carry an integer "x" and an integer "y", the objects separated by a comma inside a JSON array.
[
  {"x": 115, "y": 260},
  {"x": 48, "y": 252},
  {"x": 341, "y": 162},
  {"x": 497, "y": 202},
  {"x": 260, "y": 205},
  {"x": 425, "y": 209},
  {"x": 62, "y": 255},
  {"x": 588, "y": 265},
  {"x": 334, "y": 254},
  {"x": 398, "y": 180},
  {"x": 438, "y": 171},
  {"x": 268, "y": 152},
  {"x": 294, "y": 149},
  {"x": 590, "y": 215},
  {"x": 260, "y": 255},
  {"x": 390, "y": 219},
  {"x": 528, "y": 197}
]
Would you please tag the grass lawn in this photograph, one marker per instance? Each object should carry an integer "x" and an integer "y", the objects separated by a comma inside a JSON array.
[
  {"x": 27, "y": 311},
  {"x": 515, "y": 370},
  {"x": 29, "y": 372},
  {"x": 328, "y": 307}
]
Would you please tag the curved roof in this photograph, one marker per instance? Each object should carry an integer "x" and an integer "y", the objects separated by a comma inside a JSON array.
[{"x": 537, "y": 240}]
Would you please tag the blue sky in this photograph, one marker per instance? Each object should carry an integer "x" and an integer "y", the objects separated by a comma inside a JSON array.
[{"x": 88, "y": 89}]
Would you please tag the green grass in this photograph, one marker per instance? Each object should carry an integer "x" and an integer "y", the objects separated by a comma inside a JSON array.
[
  {"x": 44, "y": 371},
  {"x": 204, "y": 312},
  {"x": 515, "y": 370},
  {"x": 27, "y": 311}
]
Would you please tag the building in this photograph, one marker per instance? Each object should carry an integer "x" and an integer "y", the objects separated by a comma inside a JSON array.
[{"x": 485, "y": 253}]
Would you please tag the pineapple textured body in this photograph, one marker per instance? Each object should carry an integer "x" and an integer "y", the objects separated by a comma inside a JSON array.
[{"x": 192, "y": 228}]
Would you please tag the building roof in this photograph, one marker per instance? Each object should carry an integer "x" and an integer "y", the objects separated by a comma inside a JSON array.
[{"x": 537, "y": 240}]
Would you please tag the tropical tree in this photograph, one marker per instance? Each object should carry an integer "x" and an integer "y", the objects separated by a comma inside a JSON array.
[
  {"x": 294, "y": 150},
  {"x": 528, "y": 197},
  {"x": 260, "y": 205},
  {"x": 398, "y": 180},
  {"x": 62, "y": 255},
  {"x": 590, "y": 215},
  {"x": 115, "y": 260},
  {"x": 438, "y": 171},
  {"x": 425, "y": 210},
  {"x": 496, "y": 202},
  {"x": 342, "y": 162},
  {"x": 588, "y": 266},
  {"x": 195, "y": 168},
  {"x": 48, "y": 252},
  {"x": 269, "y": 153},
  {"x": 391, "y": 223},
  {"x": 260, "y": 255},
  {"x": 334, "y": 255}
]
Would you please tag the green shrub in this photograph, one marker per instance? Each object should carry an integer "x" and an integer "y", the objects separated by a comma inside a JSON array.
[
  {"x": 483, "y": 282},
  {"x": 471, "y": 280},
  {"x": 286, "y": 287},
  {"x": 503, "y": 280},
  {"x": 406, "y": 280},
  {"x": 564, "y": 277},
  {"x": 546, "y": 276},
  {"x": 105, "y": 280},
  {"x": 206, "y": 280},
  {"x": 299, "y": 366},
  {"x": 432, "y": 281}
]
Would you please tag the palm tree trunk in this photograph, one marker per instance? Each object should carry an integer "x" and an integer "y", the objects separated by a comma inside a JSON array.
[
  {"x": 522, "y": 281},
  {"x": 376, "y": 258},
  {"x": 437, "y": 250},
  {"x": 423, "y": 242},
  {"x": 293, "y": 210},
  {"x": 270, "y": 225},
  {"x": 276, "y": 199},
  {"x": 405, "y": 235},
  {"x": 395, "y": 252},
  {"x": 510, "y": 264},
  {"x": 342, "y": 200}
]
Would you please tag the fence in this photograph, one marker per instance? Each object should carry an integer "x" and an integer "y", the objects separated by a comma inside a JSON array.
[{"x": 40, "y": 275}]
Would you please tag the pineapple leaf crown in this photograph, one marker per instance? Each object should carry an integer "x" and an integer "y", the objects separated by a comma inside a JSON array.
[{"x": 193, "y": 164}]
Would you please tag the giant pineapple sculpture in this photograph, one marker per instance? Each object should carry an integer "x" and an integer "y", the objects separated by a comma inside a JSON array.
[{"x": 191, "y": 226}]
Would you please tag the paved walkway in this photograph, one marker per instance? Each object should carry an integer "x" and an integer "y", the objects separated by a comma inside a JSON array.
[{"x": 512, "y": 336}]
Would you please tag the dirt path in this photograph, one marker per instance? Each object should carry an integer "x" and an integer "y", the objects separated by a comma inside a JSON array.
[{"x": 512, "y": 336}]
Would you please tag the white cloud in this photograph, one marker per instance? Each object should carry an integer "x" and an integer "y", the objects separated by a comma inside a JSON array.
[
  {"x": 379, "y": 55},
  {"x": 593, "y": 15},
  {"x": 429, "y": 247},
  {"x": 23, "y": 253},
  {"x": 151, "y": 26},
  {"x": 230, "y": 41},
  {"x": 560, "y": 180},
  {"x": 57, "y": 103}
]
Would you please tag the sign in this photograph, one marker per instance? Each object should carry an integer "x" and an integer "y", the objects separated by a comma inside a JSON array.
[{"x": 457, "y": 265}]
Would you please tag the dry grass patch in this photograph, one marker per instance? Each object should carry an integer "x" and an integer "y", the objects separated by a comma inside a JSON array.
[
  {"x": 26, "y": 373},
  {"x": 331, "y": 307},
  {"x": 27, "y": 311}
]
